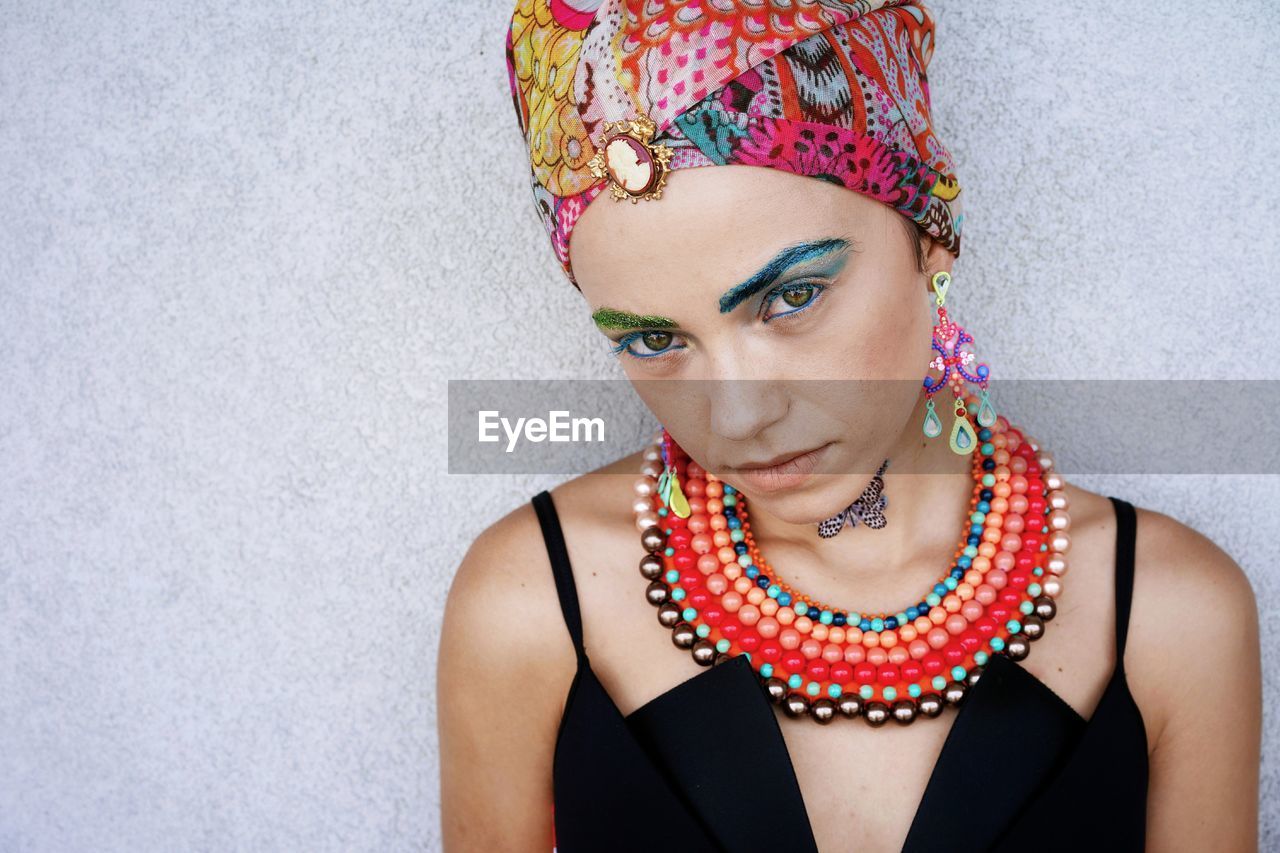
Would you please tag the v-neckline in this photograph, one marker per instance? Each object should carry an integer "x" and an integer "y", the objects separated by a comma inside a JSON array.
[{"x": 1006, "y": 699}]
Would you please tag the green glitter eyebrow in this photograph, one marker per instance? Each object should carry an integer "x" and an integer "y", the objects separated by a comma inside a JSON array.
[{"x": 611, "y": 318}]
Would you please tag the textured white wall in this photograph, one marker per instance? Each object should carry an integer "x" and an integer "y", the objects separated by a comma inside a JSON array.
[{"x": 244, "y": 245}]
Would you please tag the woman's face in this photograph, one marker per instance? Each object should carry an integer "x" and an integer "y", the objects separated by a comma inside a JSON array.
[{"x": 741, "y": 303}]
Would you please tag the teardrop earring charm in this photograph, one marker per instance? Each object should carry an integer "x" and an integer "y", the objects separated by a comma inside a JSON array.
[
  {"x": 949, "y": 339},
  {"x": 669, "y": 485}
]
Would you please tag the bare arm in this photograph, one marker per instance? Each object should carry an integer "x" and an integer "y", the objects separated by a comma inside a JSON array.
[
  {"x": 1203, "y": 792},
  {"x": 504, "y": 669}
]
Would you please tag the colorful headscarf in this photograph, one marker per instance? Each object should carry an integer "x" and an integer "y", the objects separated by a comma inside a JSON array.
[{"x": 834, "y": 89}]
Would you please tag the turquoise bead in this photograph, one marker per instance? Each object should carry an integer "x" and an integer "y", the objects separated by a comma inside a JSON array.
[
  {"x": 914, "y": 690},
  {"x": 744, "y": 560},
  {"x": 766, "y": 669},
  {"x": 1033, "y": 589},
  {"x": 795, "y": 681},
  {"x": 997, "y": 643},
  {"x": 1026, "y": 607},
  {"x": 939, "y": 683},
  {"x": 834, "y": 691},
  {"x": 729, "y": 499},
  {"x": 877, "y": 624},
  {"x": 723, "y": 646},
  {"x": 673, "y": 575},
  {"x": 988, "y": 479},
  {"x": 737, "y": 535},
  {"x": 670, "y": 552},
  {"x": 980, "y": 657},
  {"x": 1014, "y": 626},
  {"x": 812, "y": 688},
  {"x": 678, "y": 594},
  {"x": 774, "y": 590},
  {"x": 826, "y": 616},
  {"x": 703, "y": 631},
  {"x": 890, "y": 693},
  {"x": 866, "y": 691},
  {"x": 957, "y": 673},
  {"x": 689, "y": 614}
]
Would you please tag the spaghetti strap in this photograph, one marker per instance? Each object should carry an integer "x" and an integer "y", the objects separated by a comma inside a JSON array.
[
  {"x": 553, "y": 535},
  {"x": 1126, "y": 535}
]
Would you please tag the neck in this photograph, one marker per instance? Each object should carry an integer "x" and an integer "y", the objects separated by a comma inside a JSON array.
[{"x": 864, "y": 568}]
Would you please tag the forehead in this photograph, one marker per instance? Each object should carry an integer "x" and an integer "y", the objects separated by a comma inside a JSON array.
[{"x": 718, "y": 221}]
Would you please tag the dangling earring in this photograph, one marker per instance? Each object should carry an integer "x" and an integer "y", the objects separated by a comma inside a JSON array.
[
  {"x": 669, "y": 485},
  {"x": 868, "y": 508},
  {"x": 948, "y": 338}
]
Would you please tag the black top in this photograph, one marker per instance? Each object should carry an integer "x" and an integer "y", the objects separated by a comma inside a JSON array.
[{"x": 1041, "y": 776}]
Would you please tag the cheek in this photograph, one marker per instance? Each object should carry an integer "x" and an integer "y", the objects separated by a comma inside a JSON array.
[{"x": 888, "y": 339}]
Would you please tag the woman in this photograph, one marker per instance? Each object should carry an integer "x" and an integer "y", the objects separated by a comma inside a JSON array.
[{"x": 796, "y": 475}]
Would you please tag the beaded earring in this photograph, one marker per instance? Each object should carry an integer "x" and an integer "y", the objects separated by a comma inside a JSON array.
[{"x": 948, "y": 339}]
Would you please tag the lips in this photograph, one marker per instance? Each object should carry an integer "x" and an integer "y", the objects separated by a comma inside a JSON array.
[{"x": 785, "y": 472}]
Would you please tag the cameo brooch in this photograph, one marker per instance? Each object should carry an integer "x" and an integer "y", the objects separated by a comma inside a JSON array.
[{"x": 635, "y": 167}]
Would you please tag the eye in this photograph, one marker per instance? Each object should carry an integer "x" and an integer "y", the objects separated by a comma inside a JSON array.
[
  {"x": 794, "y": 298},
  {"x": 653, "y": 343}
]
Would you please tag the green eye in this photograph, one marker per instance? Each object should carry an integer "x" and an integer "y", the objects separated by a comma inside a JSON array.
[
  {"x": 653, "y": 343},
  {"x": 795, "y": 297},
  {"x": 799, "y": 296},
  {"x": 656, "y": 341}
]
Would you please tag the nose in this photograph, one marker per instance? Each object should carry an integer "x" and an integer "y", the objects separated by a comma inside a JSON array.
[{"x": 743, "y": 404}]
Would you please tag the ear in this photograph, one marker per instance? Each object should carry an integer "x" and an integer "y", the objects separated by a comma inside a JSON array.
[{"x": 936, "y": 258}]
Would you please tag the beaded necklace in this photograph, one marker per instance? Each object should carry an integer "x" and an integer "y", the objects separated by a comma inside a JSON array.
[{"x": 721, "y": 599}]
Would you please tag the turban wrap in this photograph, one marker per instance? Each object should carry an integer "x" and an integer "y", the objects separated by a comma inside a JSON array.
[{"x": 833, "y": 89}]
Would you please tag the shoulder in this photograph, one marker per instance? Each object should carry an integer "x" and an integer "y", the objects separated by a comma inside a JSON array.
[
  {"x": 507, "y": 570},
  {"x": 1194, "y": 621},
  {"x": 505, "y": 666}
]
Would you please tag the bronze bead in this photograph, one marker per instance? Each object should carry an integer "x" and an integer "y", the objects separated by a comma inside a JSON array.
[
  {"x": 850, "y": 704},
  {"x": 1046, "y": 607},
  {"x": 796, "y": 705},
  {"x": 704, "y": 652},
  {"x": 720, "y": 658},
  {"x": 669, "y": 614},
  {"x": 683, "y": 635},
  {"x": 1017, "y": 647},
  {"x": 823, "y": 710},
  {"x": 904, "y": 711},
  {"x": 875, "y": 713},
  {"x": 954, "y": 692},
  {"x": 972, "y": 678},
  {"x": 930, "y": 704},
  {"x": 776, "y": 688},
  {"x": 657, "y": 592},
  {"x": 650, "y": 566},
  {"x": 653, "y": 539},
  {"x": 1033, "y": 627}
]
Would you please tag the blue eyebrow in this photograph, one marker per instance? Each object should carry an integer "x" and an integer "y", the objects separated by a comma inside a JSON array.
[{"x": 781, "y": 262}]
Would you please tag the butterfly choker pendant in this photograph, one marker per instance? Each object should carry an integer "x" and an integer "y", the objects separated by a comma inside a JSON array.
[{"x": 868, "y": 508}]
